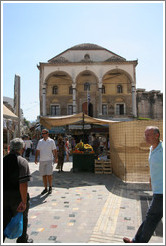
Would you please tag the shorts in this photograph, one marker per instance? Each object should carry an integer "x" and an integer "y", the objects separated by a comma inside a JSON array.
[{"x": 46, "y": 168}]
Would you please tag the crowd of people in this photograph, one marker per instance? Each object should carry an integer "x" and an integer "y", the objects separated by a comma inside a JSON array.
[{"x": 16, "y": 175}]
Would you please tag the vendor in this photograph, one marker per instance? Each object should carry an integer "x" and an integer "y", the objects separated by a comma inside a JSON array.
[{"x": 95, "y": 145}]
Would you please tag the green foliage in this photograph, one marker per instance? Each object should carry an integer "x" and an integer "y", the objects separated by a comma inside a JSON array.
[
  {"x": 26, "y": 122},
  {"x": 141, "y": 118}
]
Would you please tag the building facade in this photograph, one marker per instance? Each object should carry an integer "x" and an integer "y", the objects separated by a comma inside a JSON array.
[{"x": 91, "y": 79}]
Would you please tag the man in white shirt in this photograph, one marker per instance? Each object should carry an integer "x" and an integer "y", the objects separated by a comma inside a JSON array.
[{"x": 46, "y": 148}]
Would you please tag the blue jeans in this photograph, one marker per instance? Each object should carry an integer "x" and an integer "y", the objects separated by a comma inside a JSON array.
[{"x": 153, "y": 216}]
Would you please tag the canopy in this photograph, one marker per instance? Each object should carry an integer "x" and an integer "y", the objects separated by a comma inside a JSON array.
[
  {"x": 8, "y": 114},
  {"x": 50, "y": 121}
]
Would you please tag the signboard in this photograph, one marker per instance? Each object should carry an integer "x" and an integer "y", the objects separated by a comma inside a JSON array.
[
  {"x": 57, "y": 130},
  {"x": 77, "y": 127}
]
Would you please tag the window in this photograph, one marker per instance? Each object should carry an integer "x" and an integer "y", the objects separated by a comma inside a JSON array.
[
  {"x": 87, "y": 57},
  {"x": 86, "y": 86},
  {"x": 70, "y": 90},
  {"x": 55, "y": 90},
  {"x": 119, "y": 89},
  {"x": 55, "y": 110},
  {"x": 70, "y": 109},
  {"x": 120, "y": 109},
  {"x": 103, "y": 89},
  {"x": 104, "y": 109}
]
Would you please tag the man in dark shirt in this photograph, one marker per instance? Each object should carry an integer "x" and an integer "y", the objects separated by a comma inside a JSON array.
[{"x": 16, "y": 175}]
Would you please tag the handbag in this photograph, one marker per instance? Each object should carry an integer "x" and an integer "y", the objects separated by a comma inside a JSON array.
[{"x": 15, "y": 227}]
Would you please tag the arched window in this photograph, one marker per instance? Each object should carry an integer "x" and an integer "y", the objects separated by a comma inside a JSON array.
[
  {"x": 87, "y": 57},
  {"x": 70, "y": 90},
  {"x": 119, "y": 89},
  {"x": 86, "y": 86},
  {"x": 55, "y": 90}
]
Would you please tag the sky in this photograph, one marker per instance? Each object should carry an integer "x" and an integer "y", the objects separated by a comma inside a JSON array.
[{"x": 34, "y": 32}]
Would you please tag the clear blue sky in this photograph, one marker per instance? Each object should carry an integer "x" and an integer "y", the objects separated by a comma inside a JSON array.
[{"x": 36, "y": 32}]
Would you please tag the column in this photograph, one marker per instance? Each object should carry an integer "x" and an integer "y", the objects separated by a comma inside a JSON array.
[
  {"x": 134, "y": 109},
  {"x": 74, "y": 96},
  {"x": 44, "y": 101},
  {"x": 100, "y": 97}
]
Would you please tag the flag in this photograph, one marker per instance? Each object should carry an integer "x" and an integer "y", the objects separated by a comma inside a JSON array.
[{"x": 88, "y": 98}]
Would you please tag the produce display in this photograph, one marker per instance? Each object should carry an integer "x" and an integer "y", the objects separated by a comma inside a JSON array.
[{"x": 82, "y": 148}]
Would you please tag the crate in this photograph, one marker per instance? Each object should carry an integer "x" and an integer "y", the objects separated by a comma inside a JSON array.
[{"x": 103, "y": 167}]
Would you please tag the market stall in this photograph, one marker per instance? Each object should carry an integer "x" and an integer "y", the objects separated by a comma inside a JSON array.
[
  {"x": 83, "y": 156},
  {"x": 10, "y": 122}
]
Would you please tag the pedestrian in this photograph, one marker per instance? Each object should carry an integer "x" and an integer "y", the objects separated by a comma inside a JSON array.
[
  {"x": 16, "y": 175},
  {"x": 61, "y": 151},
  {"x": 155, "y": 211},
  {"x": 28, "y": 147},
  {"x": 46, "y": 149},
  {"x": 67, "y": 150},
  {"x": 95, "y": 145},
  {"x": 73, "y": 143}
]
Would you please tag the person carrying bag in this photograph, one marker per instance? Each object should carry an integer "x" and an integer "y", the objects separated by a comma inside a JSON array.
[{"x": 16, "y": 175}]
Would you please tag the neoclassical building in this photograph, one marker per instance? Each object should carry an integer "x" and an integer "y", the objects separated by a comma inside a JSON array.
[{"x": 88, "y": 78}]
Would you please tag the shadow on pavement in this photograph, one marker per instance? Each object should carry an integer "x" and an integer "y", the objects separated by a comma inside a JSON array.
[
  {"x": 113, "y": 184},
  {"x": 38, "y": 200}
]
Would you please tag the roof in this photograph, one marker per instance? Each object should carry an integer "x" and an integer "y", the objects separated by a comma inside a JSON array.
[
  {"x": 7, "y": 113},
  {"x": 86, "y": 46}
]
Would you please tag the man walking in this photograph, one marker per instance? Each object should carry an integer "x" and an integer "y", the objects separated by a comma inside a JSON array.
[
  {"x": 46, "y": 148},
  {"x": 16, "y": 175},
  {"x": 155, "y": 211}
]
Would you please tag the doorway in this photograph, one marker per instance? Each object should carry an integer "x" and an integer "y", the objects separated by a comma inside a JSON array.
[{"x": 87, "y": 109}]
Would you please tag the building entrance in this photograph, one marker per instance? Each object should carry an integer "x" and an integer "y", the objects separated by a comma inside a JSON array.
[{"x": 87, "y": 109}]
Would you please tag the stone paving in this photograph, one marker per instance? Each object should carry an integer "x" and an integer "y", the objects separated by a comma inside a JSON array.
[{"x": 86, "y": 208}]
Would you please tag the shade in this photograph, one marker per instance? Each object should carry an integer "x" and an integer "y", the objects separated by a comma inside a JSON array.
[
  {"x": 8, "y": 114},
  {"x": 50, "y": 121}
]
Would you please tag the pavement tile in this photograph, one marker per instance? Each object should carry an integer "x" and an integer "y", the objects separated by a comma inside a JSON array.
[{"x": 85, "y": 208}]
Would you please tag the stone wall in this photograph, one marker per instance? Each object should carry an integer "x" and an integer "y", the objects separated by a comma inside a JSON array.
[{"x": 149, "y": 104}]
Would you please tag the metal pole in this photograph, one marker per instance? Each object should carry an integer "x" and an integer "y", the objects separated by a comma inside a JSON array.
[
  {"x": 83, "y": 129},
  {"x": 87, "y": 103},
  {"x": 125, "y": 159}
]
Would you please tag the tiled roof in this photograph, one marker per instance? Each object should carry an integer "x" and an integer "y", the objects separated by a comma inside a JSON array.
[{"x": 87, "y": 46}]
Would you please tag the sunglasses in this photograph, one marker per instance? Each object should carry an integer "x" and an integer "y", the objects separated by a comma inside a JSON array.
[{"x": 44, "y": 132}]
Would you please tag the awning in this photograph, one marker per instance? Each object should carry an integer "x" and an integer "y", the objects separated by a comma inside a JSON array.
[
  {"x": 50, "y": 121},
  {"x": 8, "y": 114}
]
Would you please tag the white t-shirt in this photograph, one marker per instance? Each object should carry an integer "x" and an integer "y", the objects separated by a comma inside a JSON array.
[
  {"x": 46, "y": 148},
  {"x": 28, "y": 144}
]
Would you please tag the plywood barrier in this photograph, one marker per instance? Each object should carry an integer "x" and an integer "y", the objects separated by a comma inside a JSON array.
[{"x": 129, "y": 151}]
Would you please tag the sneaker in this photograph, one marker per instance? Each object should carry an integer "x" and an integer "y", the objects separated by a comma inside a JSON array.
[
  {"x": 30, "y": 240},
  {"x": 44, "y": 191},
  {"x": 50, "y": 190}
]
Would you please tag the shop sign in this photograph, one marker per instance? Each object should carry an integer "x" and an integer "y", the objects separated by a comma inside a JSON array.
[
  {"x": 77, "y": 127},
  {"x": 57, "y": 129}
]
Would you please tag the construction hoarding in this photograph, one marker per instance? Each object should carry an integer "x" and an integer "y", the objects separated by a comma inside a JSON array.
[{"x": 128, "y": 150}]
